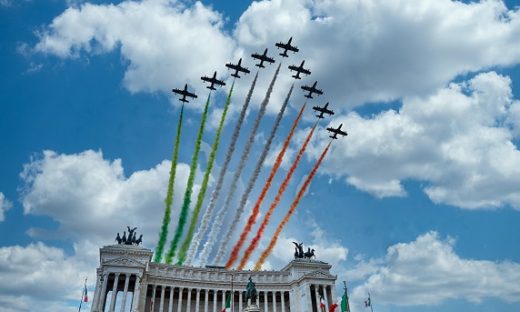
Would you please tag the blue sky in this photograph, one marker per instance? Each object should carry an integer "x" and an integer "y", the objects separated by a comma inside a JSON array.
[{"x": 419, "y": 204}]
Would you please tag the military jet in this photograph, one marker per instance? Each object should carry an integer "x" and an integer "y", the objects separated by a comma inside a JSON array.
[
  {"x": 299, "y": 70},
  {"x": 213, "y": 81},
  {"x": 263, "y": 58},
  {"x": 323, "y": 110},
  {"x": 312, "y": 89},
  {"x": 237, "y": 68},
  {"x": 287, "y": 47},
  {"x": 185, "y": 93},
  {"x": 336, "y": 131}
]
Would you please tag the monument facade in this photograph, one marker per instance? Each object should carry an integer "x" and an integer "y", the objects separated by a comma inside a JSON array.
[{"x": 128, "y": 280}]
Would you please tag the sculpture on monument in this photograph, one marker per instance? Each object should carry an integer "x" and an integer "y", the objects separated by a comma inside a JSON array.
[
  {"x": 130, "y": 239},
  {"x": 251, "y": 290},
  {"x": 298, "y": 250},
  {"x": 300, "y": 254}
]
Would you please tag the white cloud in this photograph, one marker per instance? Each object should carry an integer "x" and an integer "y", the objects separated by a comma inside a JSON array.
[
  {"x": 457, "y": 141},
  {"x": 82, "y": 192},
  {"x": 363, "y": 51},
  {"x": 165, "y": 43},
  {"x": 40, "y": 276},
  {"x": 428, "y": 271},
  {"x": 359, "y": 51},
  {"x": 5, "y": 205}
]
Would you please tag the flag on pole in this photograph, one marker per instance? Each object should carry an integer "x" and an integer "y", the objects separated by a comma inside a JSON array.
[
  {"x": 322, "y": 303},
  {"x": 85, "y": 293},
  {"x": 228, "y": 304},
  {"x": 344, "y": 303},
  {"x": 334, "y": 307}
]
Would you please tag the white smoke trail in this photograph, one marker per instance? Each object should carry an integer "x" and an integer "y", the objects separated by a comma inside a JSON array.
[
  {"x": 208, "y": 214},
  {"x": 234, "y": 183},
  {"x": 252, "y": 180}
]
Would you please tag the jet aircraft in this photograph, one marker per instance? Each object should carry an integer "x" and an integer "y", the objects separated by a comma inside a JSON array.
[
  {"x": 336, "y": 131},
  {"x": 299, "y": 70},
  {"x": 287, "y": 47},
  {"x": 312, "y": 89},
  {"x": 323, "y": 110},
  {"x": 237, "y": 68},
  {"x": 213, "y": 81},
  {"x": 185, "y": 93},
  {"x": 263, "y": 58}
]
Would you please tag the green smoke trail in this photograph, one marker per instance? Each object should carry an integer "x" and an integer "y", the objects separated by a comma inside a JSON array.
[
  {"x": 169, "y": 194},
  {"x": 189, "y": 189},
  {"x": 200, "y": 199}
]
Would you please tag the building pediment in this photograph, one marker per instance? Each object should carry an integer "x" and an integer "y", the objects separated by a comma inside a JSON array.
[{"x": 124, "y": 262}]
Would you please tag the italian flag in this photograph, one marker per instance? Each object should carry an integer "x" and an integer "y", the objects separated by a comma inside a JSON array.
[
  {"x": 228, "y": 304},
  {"x": 344, "y": 303},
  {"x": 85, "y": 294},
  {"x": 322, "y": 304}
]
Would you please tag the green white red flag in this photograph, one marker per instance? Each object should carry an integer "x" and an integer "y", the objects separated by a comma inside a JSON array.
[{"x": 228, "y": 304}]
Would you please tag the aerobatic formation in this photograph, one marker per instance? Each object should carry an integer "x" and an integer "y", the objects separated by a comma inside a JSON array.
[{"x": 199, "y": 243}]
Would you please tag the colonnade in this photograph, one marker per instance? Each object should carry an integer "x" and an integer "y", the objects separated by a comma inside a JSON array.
[
  {"x": 112, "y": 285},
  {"x": 166, "y": 298}
]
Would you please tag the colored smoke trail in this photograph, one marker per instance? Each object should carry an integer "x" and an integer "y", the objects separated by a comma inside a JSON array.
[
  {"x": 168, "y": 201},
  {"x": 294, "y": 204},
  {"x": 250, "y": 185},
  {"x": 204, "y": 186},
  {"x": 189, "y": 189},
  {"x": 208, "y": 214},
  {"x": 254, "y": 242},
  {"x": 234, "y": 183},
  {"x": 256, "y": 207}
]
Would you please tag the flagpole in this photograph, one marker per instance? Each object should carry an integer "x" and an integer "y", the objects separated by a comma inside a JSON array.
[
  {"x": 346, "y": 295},
  {"x": 82, "y": 295}
]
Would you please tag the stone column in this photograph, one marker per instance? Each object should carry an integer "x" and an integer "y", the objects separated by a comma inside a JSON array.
[
  {"x": 161, "y": 303},
  {"x": 180, "y": 299},
  {"x": 103, "y": 294},
  {"x": 215, "y": 293},
  {"x": 258, "y": 300},
  {"x": 283, "y": 301},
  {"x": 274, "y": 301},
  {"x": 240, "y": 301},
  {"x": 188, "y": 305},
  {"x": 137, "y": 293},
  {"x": 316, "y": 287},
  {"x": 170, "y": 302},
  {"x": 309, "y": 297},
  {"x": 223, "y": 299},
  {"x": 114, "y": 292},
  {"x": 197, "y": 299},
  {"x": 206, "y": 299},
  {"x": 152, "y": 301},
  {"x": 125, "y": 292},
  {"x": 96, "y": 294},
  {"x": 265, "y": 302}
]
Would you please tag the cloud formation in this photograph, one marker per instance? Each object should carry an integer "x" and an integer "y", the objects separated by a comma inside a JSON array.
[
  {"x": 165, "y": 43},
  {"x": 458, "y": 141},
  {"x": 359, "y": 51},
  {"x": 427, "y": 271}
]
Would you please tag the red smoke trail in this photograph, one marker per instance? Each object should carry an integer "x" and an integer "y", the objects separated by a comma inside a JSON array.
[
  {"x": 256, "y": 208},
  {"x": 294, "y": 204},
  {"x": 254, "y": 242}
]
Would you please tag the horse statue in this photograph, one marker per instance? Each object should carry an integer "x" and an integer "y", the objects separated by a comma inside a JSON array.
[
  {"x": 251, "y": 292},
  {"x": 309, "y": 254},
  {"x": 119, "y": 240}
]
